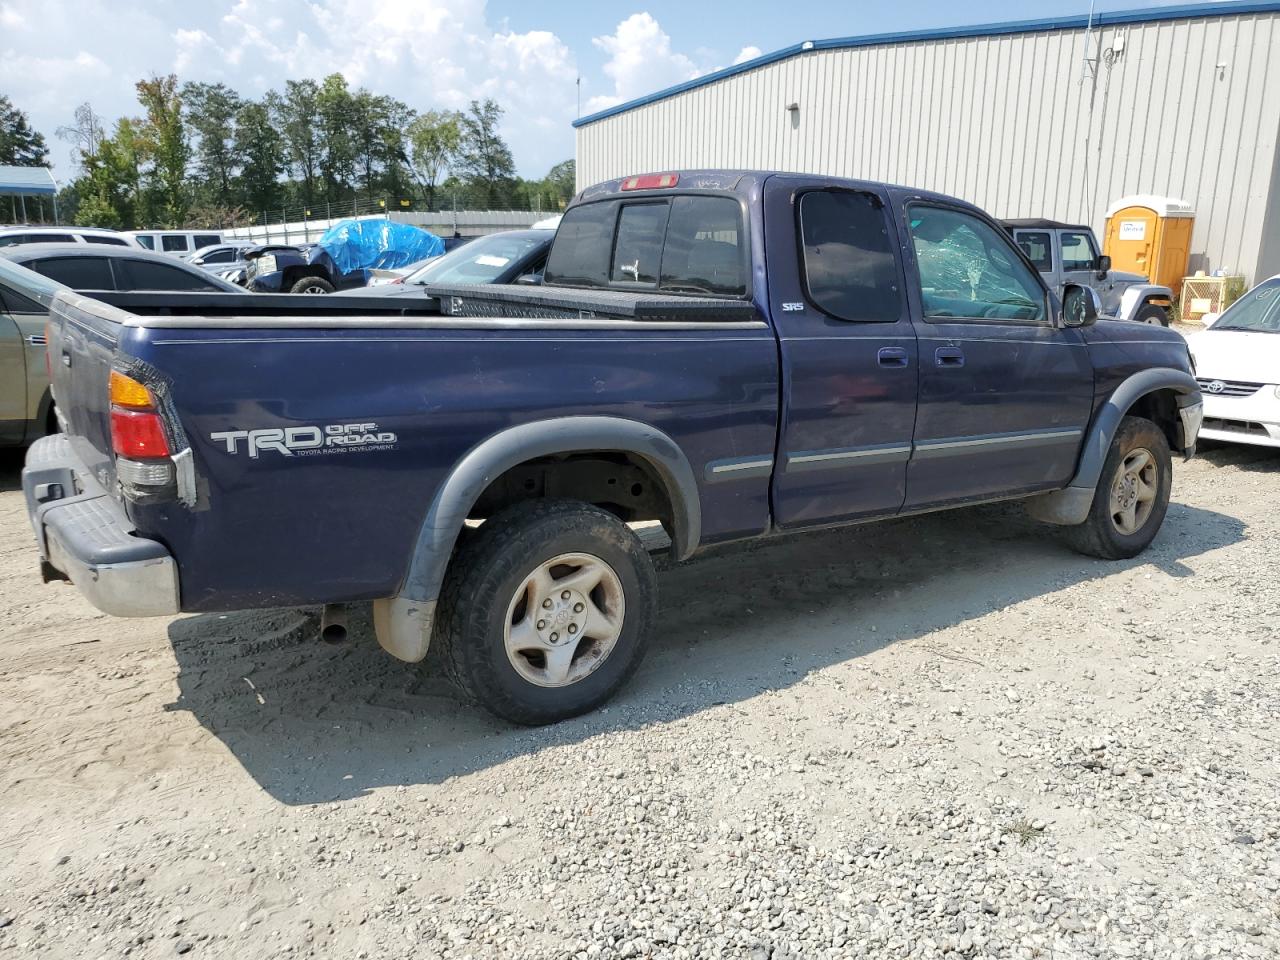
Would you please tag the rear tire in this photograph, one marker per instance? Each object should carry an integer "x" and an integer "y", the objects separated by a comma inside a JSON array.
[
  {"x": 1132, "y": 496},
  {"x": 546, "y": 611},
  {"x": 312, "y": 285},
  {"x": 1152, "y": 314}
]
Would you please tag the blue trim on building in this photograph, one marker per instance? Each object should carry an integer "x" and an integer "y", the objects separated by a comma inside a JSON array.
[{"x": 1189, "y": 11}]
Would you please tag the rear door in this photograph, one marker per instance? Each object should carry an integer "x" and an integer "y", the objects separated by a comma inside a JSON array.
[
  {"x": 1005, "y": 393},
  {"x": 836, "y": 293}
]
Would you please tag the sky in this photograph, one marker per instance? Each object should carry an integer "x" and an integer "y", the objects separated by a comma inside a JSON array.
[{"x": 527, "y": 55}]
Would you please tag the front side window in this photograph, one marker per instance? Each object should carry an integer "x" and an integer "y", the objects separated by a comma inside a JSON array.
[
  {"x": 1078, "y": 252},
  {"x": 14, "y": 239},
  {"x": 104, "y": 240},
  {"x": 173, "y": 243},
  {"x": 78, "y": 273},
  {"x": 968, "y": 269},
  {"x": 849, "y": 267},
  {"x": 638, "y": 250},
  {"x": 220, "y": 256},
  {"x": 1036, "y": 245},
  {"x": 145, "y": 275}
]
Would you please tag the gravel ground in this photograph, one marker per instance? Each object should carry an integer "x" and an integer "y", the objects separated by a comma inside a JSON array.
[{"x": 939, "y": 737}]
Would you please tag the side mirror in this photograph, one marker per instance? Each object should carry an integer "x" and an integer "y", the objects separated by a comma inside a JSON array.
[
  {"x": 1080, "y": 305},
  {"x": 198, "y": 261},
  {"x": 1104, "y": 266},
  {"x": 530, "y": 279}
]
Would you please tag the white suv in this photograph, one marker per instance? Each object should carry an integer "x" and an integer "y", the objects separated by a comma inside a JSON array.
[
  {"x": 12, "y": 236},
  {"x": 1238, "y": 368}
]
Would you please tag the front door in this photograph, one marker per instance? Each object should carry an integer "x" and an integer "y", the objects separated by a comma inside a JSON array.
[
  {"x": 13, "y": 378},
  {"x": 848, "y": 352},
  {"x": 1005, "y": 393}
]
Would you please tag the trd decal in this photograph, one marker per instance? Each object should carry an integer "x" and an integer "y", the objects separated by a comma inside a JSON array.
[{"x": 306, "y": 441}]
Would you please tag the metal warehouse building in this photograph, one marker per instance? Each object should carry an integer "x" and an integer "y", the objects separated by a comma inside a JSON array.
[{"x": 1041, "y": 118}]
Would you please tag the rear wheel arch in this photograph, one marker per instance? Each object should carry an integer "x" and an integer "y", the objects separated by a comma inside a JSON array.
[{"x": 476, "y": 472}]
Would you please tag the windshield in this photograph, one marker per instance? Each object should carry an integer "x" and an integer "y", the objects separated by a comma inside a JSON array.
[
  {"x": 1258, "y": 311},
  {"x": 480, "y": 261},
  {"x": 28, "y": 283}
]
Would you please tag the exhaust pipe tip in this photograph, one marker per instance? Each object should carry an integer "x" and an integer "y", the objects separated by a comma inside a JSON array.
[{"x": 333, "y": 623}]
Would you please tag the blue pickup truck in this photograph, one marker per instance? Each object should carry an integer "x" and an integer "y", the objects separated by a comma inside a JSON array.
[{"x": 732, "y": 354}]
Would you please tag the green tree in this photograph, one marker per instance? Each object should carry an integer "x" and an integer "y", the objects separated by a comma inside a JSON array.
[
  {"x": 20, "y": 144},
  {"x": 336, "y": 111},
  {"x": 484, "y": 159},
  {"x": 562, "y": 181},
  {"x": 211, "y": 110},
  {"x": 110, "y": 190},
  {"x": 295, "y": 114},
  {"x": 378, "y": 139},
  {"x": 261, "y": 152},
  {"x": 434, "y": 138},
  {"x": 164, "y": 136}
]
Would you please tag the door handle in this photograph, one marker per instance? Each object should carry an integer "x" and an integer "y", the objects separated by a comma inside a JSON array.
[
  {"x": 948, "y": 357},
  {"x": 892, "y": 357}
]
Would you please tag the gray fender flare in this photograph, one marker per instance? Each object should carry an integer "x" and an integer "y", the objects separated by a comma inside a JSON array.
[
  {"x": 1134, "y": 297},
  {"x": 1071, "y": 505},
  {"x": 403, "y": 623}
]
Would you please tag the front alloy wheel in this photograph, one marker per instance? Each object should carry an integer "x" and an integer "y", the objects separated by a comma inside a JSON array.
[{"x": 1133, "y": 494}]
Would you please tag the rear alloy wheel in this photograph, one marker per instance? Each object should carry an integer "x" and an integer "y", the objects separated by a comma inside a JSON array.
[
  {"x": 1151, "y": 313},
  {"x": 546, "y": 610},
  {"x": 1132, "y": 495},
  {"x": 313, "y": 285}
]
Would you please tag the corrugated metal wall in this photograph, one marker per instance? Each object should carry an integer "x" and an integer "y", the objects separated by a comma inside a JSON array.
[{"x": 1190, "y": 109}]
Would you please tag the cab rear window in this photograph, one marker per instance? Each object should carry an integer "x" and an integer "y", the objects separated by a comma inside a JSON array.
[{"x": 681, "y": 244}]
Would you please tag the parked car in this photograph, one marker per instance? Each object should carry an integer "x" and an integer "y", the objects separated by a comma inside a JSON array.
[
  {"x": 735, "y": 354},
  {"x": 1238, "y": 368},
  {"x": 181, "y": 243},
  {"x": 221, "y": 257},
  {"x": 496, "y": 258},
  {"x": 13, "y": 236},
  {"x": 26, "y": 404},
  {"x": 1068, "y": 253},
  {"x": 343, "y": 258},
  {"x": 84, "y": 267}
]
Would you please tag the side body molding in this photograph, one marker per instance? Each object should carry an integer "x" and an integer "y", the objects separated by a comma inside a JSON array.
[
  {"x": 1070, "y": 505},
  {"x": 404, "y": 623}
]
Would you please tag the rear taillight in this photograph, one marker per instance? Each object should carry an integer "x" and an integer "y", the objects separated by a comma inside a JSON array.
[{"x": 136, "y": 428}]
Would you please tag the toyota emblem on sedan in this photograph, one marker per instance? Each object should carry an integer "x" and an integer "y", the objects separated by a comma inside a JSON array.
[{"x": 1216, "y": 386}]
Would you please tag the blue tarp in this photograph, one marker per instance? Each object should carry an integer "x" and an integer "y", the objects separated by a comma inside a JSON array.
[{"x": 376, "y": 244}]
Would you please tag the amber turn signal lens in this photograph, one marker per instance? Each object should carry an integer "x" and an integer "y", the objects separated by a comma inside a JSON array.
[{"x": 127, "y": 392}]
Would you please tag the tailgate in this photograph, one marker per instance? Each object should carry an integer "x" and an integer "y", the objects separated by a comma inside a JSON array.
[{"x": 83, "y": 336}]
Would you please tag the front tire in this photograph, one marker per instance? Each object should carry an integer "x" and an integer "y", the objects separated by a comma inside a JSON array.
[
  {"x": 1152, "y": 314},
  {"x": 546, "y": 611},
  {"x": 1132, "y": 495},
  {"x": 314, "y": 285}
]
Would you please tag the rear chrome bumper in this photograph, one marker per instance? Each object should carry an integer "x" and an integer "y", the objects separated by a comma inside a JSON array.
[{"x": 84, "y": 534}]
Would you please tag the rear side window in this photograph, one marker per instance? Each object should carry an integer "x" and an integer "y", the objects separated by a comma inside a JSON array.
[
  {"x": 16, "y": 238},
  {"x": 584, "y": 241},
  {"x": 148, "y": 242},
  {"x": 849, "y": 267},
  {"x": 78, "y": 273},
  {"x": 638, "y": 250},
  {"x": 145, "y": 275},
  {"x": 173, "y": 243},
  {"x": 206, "y": 240},
  {"x": 16, "y": 303},
  {"x": 107, "y": 241},
  {"x": 1036, "y": 245}
]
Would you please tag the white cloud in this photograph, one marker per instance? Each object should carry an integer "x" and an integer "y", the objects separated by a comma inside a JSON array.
[
  {"x": 428, "y": 53},
  {"x": 747, "y": 53},
  {"x": 640, "y": 61}
]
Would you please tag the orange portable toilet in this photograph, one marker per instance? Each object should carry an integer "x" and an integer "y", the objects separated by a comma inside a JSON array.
[{"x": 1150, "y": 236}]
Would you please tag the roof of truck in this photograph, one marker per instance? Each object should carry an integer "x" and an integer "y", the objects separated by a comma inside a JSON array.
[{"x": 1036, "y": 223}]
